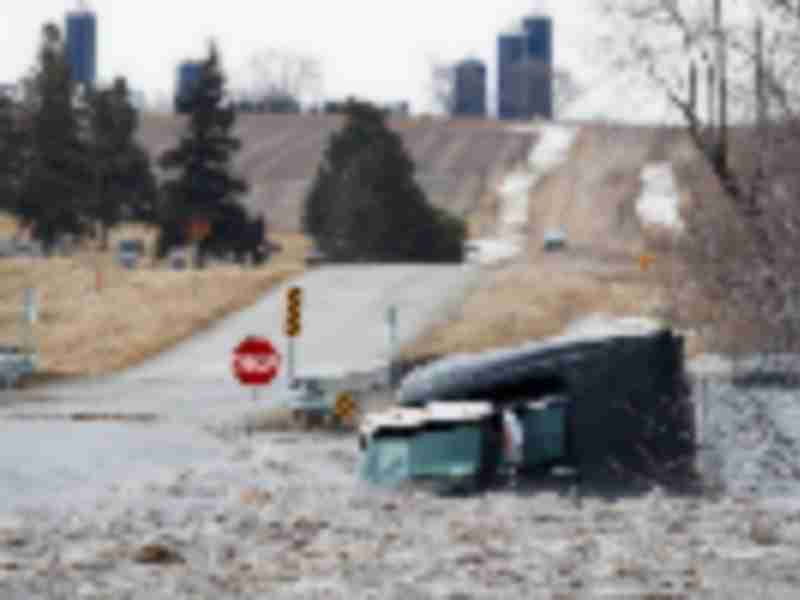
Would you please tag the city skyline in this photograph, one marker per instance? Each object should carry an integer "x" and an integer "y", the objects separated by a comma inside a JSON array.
[{"x": 396, "y": 69}]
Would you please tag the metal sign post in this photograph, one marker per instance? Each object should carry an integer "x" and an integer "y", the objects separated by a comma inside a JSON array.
[
  {"x": 31, "y": 315},
  {"x": 290, "y": 360},
  {"x": 391, "y": 323},
  {"x": 294, "y": 298}
]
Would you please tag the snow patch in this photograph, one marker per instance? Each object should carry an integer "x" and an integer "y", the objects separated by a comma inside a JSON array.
[
  {"x": 550, "y": 152},
  {"x": 659, "y": 202},
  {"x": 600, "y": 326}
]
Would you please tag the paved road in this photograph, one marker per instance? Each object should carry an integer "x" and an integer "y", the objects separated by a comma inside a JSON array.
[{"x": 49, "y": 462}]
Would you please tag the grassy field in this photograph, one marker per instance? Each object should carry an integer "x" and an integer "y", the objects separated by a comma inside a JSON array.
[{"x": 96, "y": 317}]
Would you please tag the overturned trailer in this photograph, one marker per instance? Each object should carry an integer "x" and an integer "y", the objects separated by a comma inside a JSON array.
[{"x": 613, "y": 404}]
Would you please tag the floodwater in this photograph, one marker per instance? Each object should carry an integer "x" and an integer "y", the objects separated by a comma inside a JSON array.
[{"x": 49, "y": 460}]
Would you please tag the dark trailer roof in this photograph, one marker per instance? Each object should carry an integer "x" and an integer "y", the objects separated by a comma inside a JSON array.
[{"x": 629, "y": 403}]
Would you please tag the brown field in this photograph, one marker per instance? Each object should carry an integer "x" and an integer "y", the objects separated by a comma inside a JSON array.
[
  {"x": 84, "y": 329},
  {"x": 457, "y": 161},
  {"x": 592, "y": 198}
]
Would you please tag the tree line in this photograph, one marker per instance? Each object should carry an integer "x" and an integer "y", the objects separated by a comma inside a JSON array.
[{"x": 70, "y": 164}]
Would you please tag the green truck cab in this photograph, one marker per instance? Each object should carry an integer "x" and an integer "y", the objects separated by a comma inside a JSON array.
[{"x": 461, "y": 446}]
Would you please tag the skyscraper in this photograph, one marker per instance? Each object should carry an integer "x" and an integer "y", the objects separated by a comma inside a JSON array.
[
  {"x": 82, "y": 46},
  {"x": 525, "y": 70},
  {"x": 189, "y": 74},
  {"x": 470, "y": 89}
]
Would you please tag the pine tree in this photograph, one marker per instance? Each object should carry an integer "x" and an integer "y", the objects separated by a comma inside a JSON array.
[
  {"x": 13, "y": 154},
  {"x": 124, "y": 184},
  {"x": 54, "y": 193},
  {"x": 365, "y": 204},
  {"x": 206, "y": 187}
]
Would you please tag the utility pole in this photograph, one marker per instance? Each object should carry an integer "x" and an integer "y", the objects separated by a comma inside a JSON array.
[
  {"x": 721, "y": 65},
  {"x": 710, "y": 87},
  {"x": 761, "y": 98}
]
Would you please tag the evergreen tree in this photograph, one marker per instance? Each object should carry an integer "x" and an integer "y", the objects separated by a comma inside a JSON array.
[
  {"x": 205, "y": 187},
  {"x": 54, "y": 193},
  {"x": 13, "y": 154},
  {"x": 124, "y": 184},
  {"x": 365, "y": 204}
]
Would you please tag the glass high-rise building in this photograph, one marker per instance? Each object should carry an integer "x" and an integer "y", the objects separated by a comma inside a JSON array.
[
  {"x": 470, "y": 89},
  {"x": 525, "y": 71},
  {"x": 82, "y": 46},
  {"x": 189, "y": 74}
]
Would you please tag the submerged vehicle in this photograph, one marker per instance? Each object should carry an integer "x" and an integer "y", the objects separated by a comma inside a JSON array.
[
  {"x": 462, "y": 446},
  {"x": 606, "y": 405}
]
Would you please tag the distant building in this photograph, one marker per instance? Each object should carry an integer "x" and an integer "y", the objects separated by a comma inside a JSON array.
[
  {"x": 525, "y": 70},
  {"x": 82, "y": 47},
  {"x": 470, "y": 89},
  {"x": 189, "y": 74}
]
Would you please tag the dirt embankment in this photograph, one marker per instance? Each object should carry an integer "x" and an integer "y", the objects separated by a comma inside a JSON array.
[
  {"x": 456, "y": 160},
  {"x": 592, "y": 198}
]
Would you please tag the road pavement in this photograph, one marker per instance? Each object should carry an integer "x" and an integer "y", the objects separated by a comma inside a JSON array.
[{"x": 50, "y": 462}]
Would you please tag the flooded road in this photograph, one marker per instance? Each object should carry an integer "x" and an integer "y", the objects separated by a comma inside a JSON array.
[{"x": 49, "y": 460}]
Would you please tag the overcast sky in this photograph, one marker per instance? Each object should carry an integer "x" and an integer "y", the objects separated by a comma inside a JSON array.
[{"x": 377, "y": 50}]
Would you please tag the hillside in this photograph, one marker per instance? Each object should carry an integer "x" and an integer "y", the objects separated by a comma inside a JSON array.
[{"x": 457, "y": 161}]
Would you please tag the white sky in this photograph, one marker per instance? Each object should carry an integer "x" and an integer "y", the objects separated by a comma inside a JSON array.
[{"x": 376, "y": 50}]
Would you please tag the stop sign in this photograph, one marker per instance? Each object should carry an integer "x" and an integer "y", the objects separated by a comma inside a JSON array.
[{"x": 255, "y": 361}]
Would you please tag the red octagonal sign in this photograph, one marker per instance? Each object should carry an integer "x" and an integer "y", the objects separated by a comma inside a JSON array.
[{"x": 256, "y": 361}]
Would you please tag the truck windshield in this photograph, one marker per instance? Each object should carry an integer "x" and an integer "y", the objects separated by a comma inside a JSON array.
[{"x": 438, "y": 453}]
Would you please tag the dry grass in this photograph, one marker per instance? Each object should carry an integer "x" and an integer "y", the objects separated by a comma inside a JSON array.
[
  {"x": 535, "y": 302},
  {"x": 592, "y": 198},
  {"x": 84, "y": 329},
  {"x": 8, "y": 226}
]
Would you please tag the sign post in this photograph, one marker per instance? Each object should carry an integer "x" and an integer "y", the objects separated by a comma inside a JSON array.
[
  {"x": 31, "y": 316},
  {"x": 256, "y": 363},
  {"x": 391, "y": 324},
  {"x": 292, "y": 329},
  {"x": 198, "y": 230}
]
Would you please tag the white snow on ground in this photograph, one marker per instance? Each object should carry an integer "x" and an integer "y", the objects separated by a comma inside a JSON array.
[
  {"x": 284, "y": 517},
  {"x": 549, "y": 153},
  {"x": 659, "y": 201}
]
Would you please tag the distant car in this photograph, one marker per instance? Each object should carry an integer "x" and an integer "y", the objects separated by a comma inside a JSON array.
[
  {"x": 129, "y": 252},
  {"x": 555, "y": 239}
]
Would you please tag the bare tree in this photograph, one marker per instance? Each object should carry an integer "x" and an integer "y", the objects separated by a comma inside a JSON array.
[
  {"x": 278, "y": 73},
  {"x": 566, "y": 90},
  {"x": 716, "y": 67},
  {"x": 443, "y": 85}
]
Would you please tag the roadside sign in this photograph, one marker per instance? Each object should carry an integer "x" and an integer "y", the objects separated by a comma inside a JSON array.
[
  {"x": 646, "y": 261},
  {"x": 345, "y": 406},
  {"x": 294, "y": 298},
  {"x": 256, "y": 361},
  {"x": 199, "y": 229}
]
